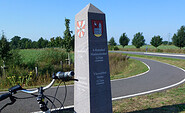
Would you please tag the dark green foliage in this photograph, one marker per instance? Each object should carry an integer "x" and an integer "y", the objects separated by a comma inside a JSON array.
[
  {"x": 124, "y": 40},
  {"x": 112, "y": 42},
  {"x": 110, "y": 47},
  {"x": 42, "y": 43},
  {"x": 4, "y": 49},
  {"x": 25, "y": 43},
  {"x": 170, "y": 43},
  {"x": 15, "y": 58},
  {"x": 34, "y": 45},
  {"x": 159, "y": 50},
  {"x": 179, "y": 38},
  {"x": 156, "y": 41},
  {"x": 15, "y": 42},
  {"x": 58, "y": 41},
  {"x": 138, "y": 40},
  {"x": 52, "y": 42},
  {"x": 165, "y": 42},
  {"x": 116, "y": 48},
  {"x": 67, "y": 36},
  {"x": 50, "y": 59},
  {"x": 73, "y": 42}
]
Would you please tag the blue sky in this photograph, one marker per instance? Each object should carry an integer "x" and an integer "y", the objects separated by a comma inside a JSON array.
[{"x": 45, "y": 18}]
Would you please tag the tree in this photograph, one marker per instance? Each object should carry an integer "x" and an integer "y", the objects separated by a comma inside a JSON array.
[
  {"x": 15, "y": 42},
  {"x": 165, "y": 42},
  {"x": 73, "y": 42},
  {"x": 25, "y": 43},
  {"x": 28, "y": 44},
  {"x": 124, "y": 40},
  {"x": 58, "y": 41},
  {"x": 52, "y": 42},
  {"x": 67, "y": 36},
  {"x": 112, "y": 42},
  {"x": 138, "y": 40},
  {"x": 42, "y": 43},
  {"x": 156, "y": 41},
  {"x": 4, "y": 48},
  {"x": 179, "y": 38},
  {"x": 34, "y": 45}
]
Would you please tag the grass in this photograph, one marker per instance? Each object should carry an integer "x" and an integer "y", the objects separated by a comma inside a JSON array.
[
  {"x": 135, "y": 67},
  {"x": 162, "y": 48},
  {"x": 120, "y": 67},
  {"x": 152, "y": 47},
  {"x": 168, "y": 101},
  {"x": 47, "y": 61},
  {"x": 31, "y": 55},
  {"x": 177, "y": 62}
]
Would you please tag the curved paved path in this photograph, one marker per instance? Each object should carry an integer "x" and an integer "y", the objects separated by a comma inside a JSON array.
[{"x": 160, "y": 77}]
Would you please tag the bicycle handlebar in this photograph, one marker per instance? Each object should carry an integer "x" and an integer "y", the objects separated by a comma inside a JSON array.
[
  {"x": 4, "y": 96},
  {"x": 60, "y": 75},
  {"x": 64, "y": 75},
  {"x": 11, "y": 90},
  {"x": 35, "y": 91}
]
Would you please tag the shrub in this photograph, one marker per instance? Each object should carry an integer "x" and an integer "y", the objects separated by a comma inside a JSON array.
[
  {"x": 110, "y": 47},
  {"x": 49, "y": 61},
  {"x": 159, "y": 50},
  {"x": 116, "y": 48}
]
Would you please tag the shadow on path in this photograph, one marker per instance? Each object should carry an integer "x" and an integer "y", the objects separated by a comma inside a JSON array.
[
  {"x": 69, "y": 110},
  {"x": 164, "y": 109}
]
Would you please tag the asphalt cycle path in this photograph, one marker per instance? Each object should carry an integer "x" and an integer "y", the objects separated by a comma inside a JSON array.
[
  {"x": 168, "y": 55},
  {"x": 160, "y": 77}
]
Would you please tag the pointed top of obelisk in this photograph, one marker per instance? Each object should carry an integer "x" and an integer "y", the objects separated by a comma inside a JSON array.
[{"x": 91, "y": 9}]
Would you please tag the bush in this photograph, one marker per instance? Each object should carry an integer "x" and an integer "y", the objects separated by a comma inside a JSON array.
[
  {"x": 116, "y": 48},
  {"x": 50, "y": 60},
  {"x": 47, "y": 61},
  {"x": 18, "y": 75},
  {"x": 159, "y": 50},
  {"x": 110, "y": 47}
]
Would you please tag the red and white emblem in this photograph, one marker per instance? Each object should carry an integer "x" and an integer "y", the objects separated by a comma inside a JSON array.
[{"x": 81, "y": 28}]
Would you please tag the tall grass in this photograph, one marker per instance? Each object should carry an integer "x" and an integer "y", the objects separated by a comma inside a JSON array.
[
  {"x": 117, "y": 62},
  {"x": 47, "y": 61},
  {"x": 162, "y": 48},
  {"x": 121, "y": 66}
]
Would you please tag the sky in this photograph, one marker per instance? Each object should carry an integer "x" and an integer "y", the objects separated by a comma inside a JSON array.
[{"x": 45, "y": 18}]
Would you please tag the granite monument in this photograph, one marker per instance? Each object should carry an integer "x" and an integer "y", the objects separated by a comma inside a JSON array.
[{"x": 92, "y": 93}]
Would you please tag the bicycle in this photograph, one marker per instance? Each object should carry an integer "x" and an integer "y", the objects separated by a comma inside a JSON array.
[{"x": 64, "y": 76}]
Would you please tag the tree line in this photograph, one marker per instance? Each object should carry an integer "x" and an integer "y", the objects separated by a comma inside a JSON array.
[
  {"x": 7, "y": 48},
  {"x": 138, "y": 41},
  {"x": 25, "y": 43}
]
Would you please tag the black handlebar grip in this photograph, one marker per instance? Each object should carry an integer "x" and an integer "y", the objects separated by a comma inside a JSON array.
[
  {"x": 4, "y": 96},
  {"x": 65, "y": 75},
  {"x": 14, "y": 89}
]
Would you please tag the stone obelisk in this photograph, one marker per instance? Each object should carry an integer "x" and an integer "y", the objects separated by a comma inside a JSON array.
[{"x": 92, "y": 93}]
